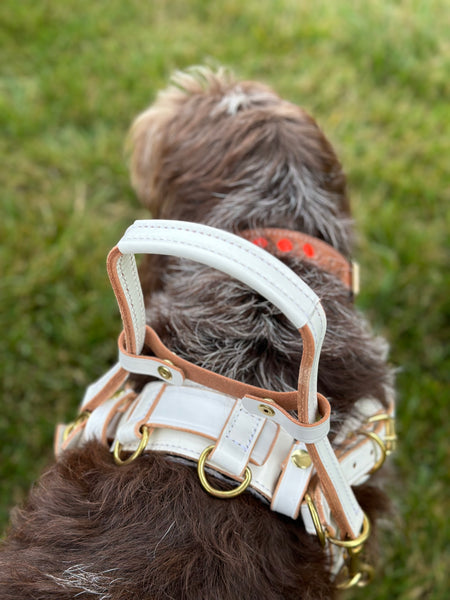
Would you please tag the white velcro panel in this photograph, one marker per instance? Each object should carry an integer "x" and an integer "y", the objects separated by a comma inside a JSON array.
[
  {"x": 194, "y": 410},
  {"x": 291, "y": 486},
  {"x": 236, "y": 442},
  {"x": 200, "y": 411},
  {"x": 309, "y": 434}
]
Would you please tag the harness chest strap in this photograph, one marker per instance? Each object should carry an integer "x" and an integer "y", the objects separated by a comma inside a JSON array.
[{"x": 185, "y": 420}]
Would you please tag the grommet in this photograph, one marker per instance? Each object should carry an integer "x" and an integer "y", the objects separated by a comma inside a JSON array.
[
  {"x": 165, "y": 373},
  {"x": 267, "y": 410},
  {"x": 301, "y": 459}
]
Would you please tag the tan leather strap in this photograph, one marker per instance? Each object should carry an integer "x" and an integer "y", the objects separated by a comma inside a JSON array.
[{"x": 285, "y": 242}]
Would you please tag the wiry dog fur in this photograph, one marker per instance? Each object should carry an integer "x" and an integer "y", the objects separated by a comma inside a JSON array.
[{"x": 233, "y": 155}]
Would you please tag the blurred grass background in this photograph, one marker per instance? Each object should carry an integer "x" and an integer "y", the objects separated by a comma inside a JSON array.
[{"x": 376, "y": 76}]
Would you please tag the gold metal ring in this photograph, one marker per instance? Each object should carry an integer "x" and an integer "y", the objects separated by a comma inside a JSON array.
[
  {"x": 213, "y": 491},
  {"x": 367, "y": 575},
  {"x": 316, "y": 520},
  {"x": 357, "y": 542},
  {"x": 347, "y": 581},
  {"x": 82, "y": 418},
  {"x": 379, "y": 442},
  {"x": 118, "y": 448},
  {"x": 362, "y": 577}
]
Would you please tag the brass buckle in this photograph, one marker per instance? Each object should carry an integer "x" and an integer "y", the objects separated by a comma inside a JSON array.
[
  {"x": 388, "y": 445},
  {"x": 390, "y": 439},
  {"x": 354, "y": 572},
  {"x": 213, "y": 491},
  {"x": 139, "y": 450}
]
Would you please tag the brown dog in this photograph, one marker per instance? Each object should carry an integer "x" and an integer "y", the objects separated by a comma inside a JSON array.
[{"x": 232, "y": 155}]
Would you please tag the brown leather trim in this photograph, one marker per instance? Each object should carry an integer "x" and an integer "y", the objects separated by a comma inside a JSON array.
[
  {"x": 107, "y": 391},
  {"x": 304, "y": 374},
  {"x": 287, "y": 400},
  {"x": 330, "y": 494}
]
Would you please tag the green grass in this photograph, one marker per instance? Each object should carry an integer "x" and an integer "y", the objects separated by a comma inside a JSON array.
[{"x": 375, "y": 75}]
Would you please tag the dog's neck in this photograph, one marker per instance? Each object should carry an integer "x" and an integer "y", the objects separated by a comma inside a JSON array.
[{"x": 283, "y": 242}]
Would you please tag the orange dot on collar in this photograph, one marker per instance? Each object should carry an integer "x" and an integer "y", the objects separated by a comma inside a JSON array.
[
  {"x": 261, "y": 242},
  {"x": 308, "y": 250},
  {"x": 284, "y": 245}
]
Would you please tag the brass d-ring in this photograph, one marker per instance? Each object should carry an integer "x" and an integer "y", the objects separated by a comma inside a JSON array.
[
  {"x": 213, "y": 491},
  {"x": 316, "y": 520},
  {"x": 379, "y": 442},
  {"x": 356, "y": 543},
  {"x": 118, "y": 448}
]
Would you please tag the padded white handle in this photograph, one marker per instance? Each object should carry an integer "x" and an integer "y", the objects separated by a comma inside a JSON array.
[{"x": 228, "y": 253}]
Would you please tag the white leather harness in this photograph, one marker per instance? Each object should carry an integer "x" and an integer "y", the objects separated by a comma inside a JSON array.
[{"x": 243, "y": 433}]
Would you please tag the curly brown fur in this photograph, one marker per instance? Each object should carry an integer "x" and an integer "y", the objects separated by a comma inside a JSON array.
[{"x": 234, "y": 155}]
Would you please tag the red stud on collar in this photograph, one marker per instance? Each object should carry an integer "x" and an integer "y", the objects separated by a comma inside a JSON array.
[
  {"x": 308, "y": 250},
  {"x": 261, "y": 242},
  {"x": 284, "y": 245}
]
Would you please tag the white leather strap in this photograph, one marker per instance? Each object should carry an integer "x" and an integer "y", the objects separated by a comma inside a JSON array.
[
  {"x": 237, "y": 440},
  {"x": 310, "y": 434},
  {"x": 292, "y": 485},
  {"x": 104, "y": 387}
]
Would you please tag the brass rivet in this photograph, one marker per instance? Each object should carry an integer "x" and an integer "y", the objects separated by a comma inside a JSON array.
[
  {"x": 165, "y": 373},
  {"x": 301, "y": 459},
  {"x": 267, "y": 410}
]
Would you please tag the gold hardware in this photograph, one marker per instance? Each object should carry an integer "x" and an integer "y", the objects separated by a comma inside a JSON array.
[
  {"x": 267, "y": 410},
  {"x": 316, "y": 520},
  {"x": 356, "y": 285},
  {"x": 301, "y": 459},
  {"x": 82, "y": 418},
  {"x": 164, "y": 372},
  {"x": 390, "y": 438},
  {"x": 213, "y": 491},
  {"x": 379, "y": 442},
  {"x": 142, "y": 444},
  {"x": 356, "y": 544},
  {"x": 354, "y": 572}
]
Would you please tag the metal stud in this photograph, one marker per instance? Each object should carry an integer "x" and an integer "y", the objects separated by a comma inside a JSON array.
[
  {"x": 301, "y": 459},
  {"x": 165, "y": 373}
]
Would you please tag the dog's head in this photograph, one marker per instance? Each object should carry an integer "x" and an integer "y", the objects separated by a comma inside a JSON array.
[{"x": 234, "y": 155}]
